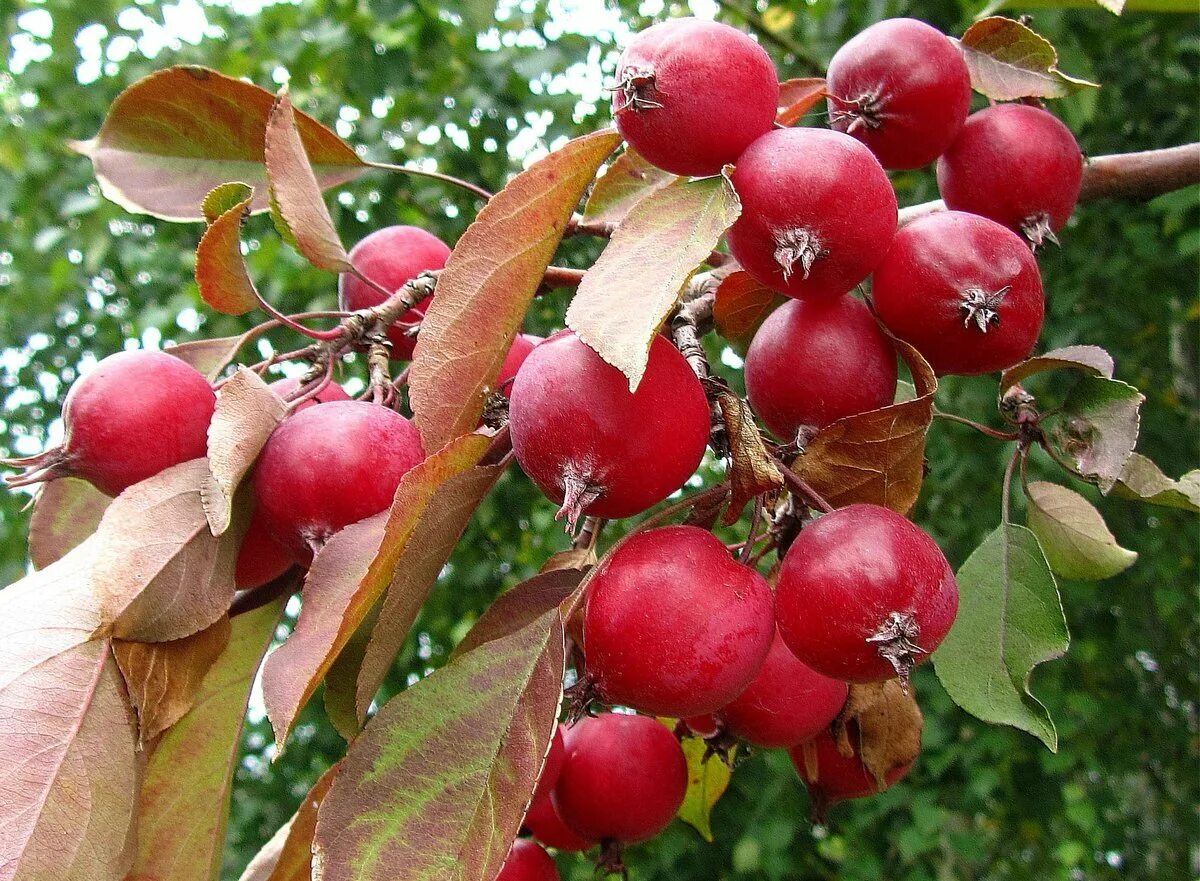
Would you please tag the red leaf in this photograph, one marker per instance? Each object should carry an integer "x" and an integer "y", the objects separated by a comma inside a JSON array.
[
  {"x": 65, "y": 512},
  {"x": 741, "y": 306},
  {"x": 288, "y": 855},
  {"x": 210, "y": 357},
  {"x": 797, "y": 97},
  {"x": 221, "y": 274}
]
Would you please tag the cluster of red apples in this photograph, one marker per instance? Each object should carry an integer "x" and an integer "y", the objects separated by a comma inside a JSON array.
[{"x": 673, "y": 625}]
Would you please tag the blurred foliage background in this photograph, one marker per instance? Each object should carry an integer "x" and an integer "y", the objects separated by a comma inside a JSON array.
[{"x": 477, "y": 88}]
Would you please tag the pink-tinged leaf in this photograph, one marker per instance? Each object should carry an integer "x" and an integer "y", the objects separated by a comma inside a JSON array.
[
  {"x": 65, "y": 512},
  {"x": 1097, "y": 428},
  {"x": 159, "y": 572},
  {"x": 741, "y": 306},
  {"x": 296, "y": 193},
  {"x": 210, "y": 357},
  {"x": 348, "y": 577},
  {"x": 629, "y": 292},
  {"x": 163, "y": 678},
  {"x": 360, "y": 670},
  {"x": 68, "y": 737},
  {"x": 247, "y": 412},
  {"x": 521, "y": 606},
  {"x": 183, "y": 808},
  {"x": 628, "y": 180},
  {"x": 1008, "y": 60},
  {"x": 488, "y": 283},
  {"x": 1091, "y": 360},
  {"x": 877, "y": 457},
  {"x": 464, "y": 746},
  {"x": 225, "y": 284},
  {"x": 797, "y": 97},
  {"x": 172, "y": 137},
  {"x": 288, "y": 854}
]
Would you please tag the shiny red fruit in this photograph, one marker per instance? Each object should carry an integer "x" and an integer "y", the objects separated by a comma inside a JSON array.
[
  {"x": 544, "y": 824},
  {"x": 261, "y": 559},
  {"x": 290, "y": 385},
  {"x": 527, "y": 861},
  {"x": 331, "y": 466},
  {"x": 692, "y": 95},
  {"x": 624, "y": 778},
  {"x": 131, "y": 416},
  {"x": 591, "y": 444},
  {"x": 674, "y": 625},
  {"x": 522, "y": 345},
  {"x": 832, "y": 777},
  {"x": 1016, "y": 164},
  {"x": 902, "y": 88},
  {"x": 818, "y": 212},
  {"x": 813, "y": 362},
  {"x": 864, "y": 595},
  {"x": 705, "y": 725},
  {"x": 963, "y": 290},
  {"x": 786, "y": 703},
  {"x": 392, "y": 257}
]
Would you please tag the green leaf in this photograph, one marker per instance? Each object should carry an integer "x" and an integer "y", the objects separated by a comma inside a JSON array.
[
  {"x": 1071, "y": 531},
  {"x": 1144, "y": 481},
  {"x": 1008, "y": 60},
  {"x": 708, "y": 778},
  {"x": 1097, "y": 428},
  {"x": 628, "y": 293},
  {"x": 628, "y": 180},
  {"x": 464, "y": 746},
  {"x": 221, "y": 274},
  {"x": 1010, "y": 619},
  {"x": 185, "y": 797},
  {"x": 65, "y": 512}
]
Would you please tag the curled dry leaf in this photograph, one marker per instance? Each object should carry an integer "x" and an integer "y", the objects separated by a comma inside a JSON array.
[
  {"x": 297, "y": 205},
  {"x": 752, "y": 470},
  {"x": 163, "y": 678},
  {"x": 172, "y": 137},
  {"x": 210, "y": 357},
  {"x": 629, "y": 292},
  {"x": 1073, "y": 535},
  {"x": 287, "y": 856},
  {"x": 1008, "y": 60},
  {"x": 494, "y": 271},
  {"x": 246, "y": 414},
  {"x": 572, "y": 558},
  {"x": 877, "y": 457},
  {"x": 221, "y": 274},
  {"x": 628, "y": 180},
  {"x": 1141, "y": 479},
  {"x": 886, "y": 729},
  {"x": 741, "y": 306},
  {"x": 65, "y": 512},
  {"x": 797, "y": 97}
]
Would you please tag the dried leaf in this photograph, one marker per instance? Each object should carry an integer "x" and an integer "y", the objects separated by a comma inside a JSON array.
[
  {"x": 752, "y": 470},
  {"x": 247, "y": 412},
  {"x": 708, "y": 778},
  {"x": 1090, "y": 359},
  {"x": 494, "y": 271},
  {"x": 571, "y": 558},
  {"x": 65, "y": 512},
  {"x": 464, "y": 745},
  {"x": 159, "y": 572},
  {"x": 741, "y": 306},
  {"x": 163, "y": 678},
  {"x": 296, "y": 197},
  {"x": 1097, "y": 428},
  {"x": 797, "y": 97},
  {"x": 887, "y": 726},
  {"x": 184, "y": 805},
  {"x": 1010, "y": 619},
  {"x": 521, "y": 606},
  {"x": 288, "y": 855},
  {"x": 1008, "y": 60},
  {"x": 876, "y": 457},
  {"x": 221, "y": 274},
  {"x": 1073, "y": 535},
  {"x": 625, "y": 297},
  {"x": 172, "y": 137},
  {"x": 1144, "y": 481},
  {"x": 210, "y": 357},
  {"x": 628, "y": 180},
  {"x": 348, "y": 577}
]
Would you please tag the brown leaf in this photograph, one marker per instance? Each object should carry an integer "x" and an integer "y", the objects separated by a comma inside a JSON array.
[
  {"x": 625, "y": 297},
  {"x": 346, "y": 579},
  {"x": 488, "y": 283},
  {"x": 797, "y": 97},
  {"x": 164, "y": 677},
  {"x": 172, "y": 137},
  {"x": 288, "y": 855},
  {"x": 246, "y": 414},
  {"x": 221, "y": 274},
  {"x": 628, "y": 180},
  {"x": 741, "y": 306},
  {"x": 65, "y": 512},
  {"x": 159, "y": 572},
  {"x": 886, "y": 732},
  {"x": 571, "y": 558},
  {"x": 752, "y": 471},
  {"x": 520, "y": 607},
  {"x": 876, "y": 457},
  {"x": 210, "y": 357}
]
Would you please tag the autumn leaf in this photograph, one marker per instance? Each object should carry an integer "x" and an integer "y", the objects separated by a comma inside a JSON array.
[
  {"x": 287, "y": 856},
  {"x": 1008, "y": 60},
  {"x": 65, "y": 512},
  {"x": 1144, "y": 481},
  {"x": 797, "y": 97},
  {"x": 221, "y": 274},
  {"x": 1073, "y": 535},
  {"x": 521, "y": 606},
  {"x": 752, "y": 471},
  {"x": 741, "y": 306},
  {"x": 708, "y": 778},
  {"x": 1097, "y": 428},
  {"x": 881, "y": 723},
  {"x": 211, "y": 356},
  {"x": 628, "y": 180},
  {"x": 488, "y": 284},
  {"x": 1091, "y": 360}
]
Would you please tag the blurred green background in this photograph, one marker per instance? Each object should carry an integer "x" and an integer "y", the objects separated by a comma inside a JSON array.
[{"x": 480, "y": 88}]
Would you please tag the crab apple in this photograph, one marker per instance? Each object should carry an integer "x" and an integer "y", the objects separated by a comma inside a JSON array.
[
  {"x": 704, "y": 725},
  {"x": 902, "y": 88},
  {"x": 1016, "y": 164},
  {"x": 674, "y": 626},
  {"x": 528, "y": 861},
  {"x": 832, "y": 777},
  {"x": 261, "y": 559},
  {"x": 522, "y": 345},
  {"x": 544, "y": 824},
  {"x": 813, "y": 362},
  {"x": 963, "y": 290},
  {"x": 391, "y": 257},
  {"x": 593, "y": 445},
  {"x": 786, "y": 703},
  {"x": 291, "y": 385},
  {"x": 818, "y": 212},
  {"x": 691, "y": 95},
  {"x": 131, "y": 416},
  {"x": 864, "y": 595},
  {"x": 330, "y": 466},
  {"x": 624, "y": 778}
]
